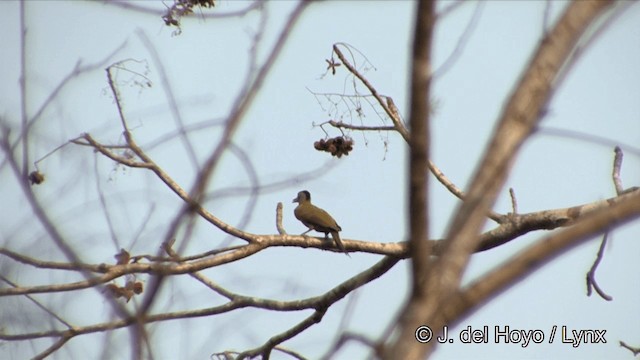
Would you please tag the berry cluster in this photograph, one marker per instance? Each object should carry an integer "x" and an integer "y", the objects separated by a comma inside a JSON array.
[
  {"x": 182, "y": 8},
  {"x": 337, "y": 146}
]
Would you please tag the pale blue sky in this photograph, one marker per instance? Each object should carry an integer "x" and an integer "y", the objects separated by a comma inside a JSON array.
[{"x": 365, "y": 191}]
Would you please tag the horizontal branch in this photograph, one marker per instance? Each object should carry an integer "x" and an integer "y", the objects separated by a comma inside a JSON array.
[
  {"x": 318, "y": 303},
  {"x": 54, "y": 265},
  {"x": 519, "y": 267},
  {"x": 340, "y": 124},
  {"x": 515, "y": 226}
]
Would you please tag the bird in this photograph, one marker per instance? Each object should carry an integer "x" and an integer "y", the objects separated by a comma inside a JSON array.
[{"x": 317, "y": 219}]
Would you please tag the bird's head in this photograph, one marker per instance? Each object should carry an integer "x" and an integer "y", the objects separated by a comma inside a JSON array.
[{"x": 303, "y": 196}]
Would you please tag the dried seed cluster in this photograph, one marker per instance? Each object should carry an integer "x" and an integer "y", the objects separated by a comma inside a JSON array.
[
  {"x": 337, "y": 146},
  {"x": 181, "y": 8}
]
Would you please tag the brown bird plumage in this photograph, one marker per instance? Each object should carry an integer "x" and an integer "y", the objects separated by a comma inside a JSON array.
[{"x": 317, "y": 219}]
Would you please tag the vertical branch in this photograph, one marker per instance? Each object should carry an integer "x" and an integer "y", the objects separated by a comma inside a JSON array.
[
  {"x": 419, "y": 250},
  {"x": 617, "y": 164},
  {"x": 419, "y": 143}
]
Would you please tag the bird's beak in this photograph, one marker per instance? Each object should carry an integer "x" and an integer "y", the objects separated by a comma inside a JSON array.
[{"x": 295, "y": 200}]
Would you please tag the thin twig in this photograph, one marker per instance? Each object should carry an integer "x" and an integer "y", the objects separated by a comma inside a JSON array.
[
  {"x": 397, "y": 122},
  {"x": 328, "y": 299},
  {"x": 203, "y": 279},
  {"x": 171, "y": 99},
  {"x": 38, "y": 304},
  {"x": 591, "y": 275},
  {"x": 634, "y": 350},
  {"x": 462, "y": 41},
  {"x": 254, "y": 190},
  {"x": 265, "y": 349},
  {"x": 103, "y": 204},
  {"x": 293, "y": 354},
  {"x": 54, "y": 347},
  {"x": 617, "y": 165},
  {"x": 588, "y": 138},
  {"x": 358, "y": 338},
  {"x": 279, "y": 226},
  {"x": 514, "y": 201},
  {"x": 340, "y": 124}
]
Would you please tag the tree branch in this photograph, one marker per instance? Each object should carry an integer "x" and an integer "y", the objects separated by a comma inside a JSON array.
[{"x": 518, "y": 120}]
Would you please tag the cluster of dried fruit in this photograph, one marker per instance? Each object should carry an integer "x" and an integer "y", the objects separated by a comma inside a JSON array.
[
  {"x": 337, "y": 146},
  {"x": 127, "y": 291},
  {"x": 181, "y": 8},
  {"x": 131, "y": 287}
]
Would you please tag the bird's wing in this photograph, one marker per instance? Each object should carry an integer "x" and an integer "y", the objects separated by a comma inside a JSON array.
[{"x": 319, "y": 218}]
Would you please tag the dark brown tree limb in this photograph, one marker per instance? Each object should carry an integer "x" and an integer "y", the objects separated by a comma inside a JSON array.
[{"x": 419, "y": 249}]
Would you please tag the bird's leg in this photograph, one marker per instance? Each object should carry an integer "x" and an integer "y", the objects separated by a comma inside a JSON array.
[{"x": 304, "y": 233}]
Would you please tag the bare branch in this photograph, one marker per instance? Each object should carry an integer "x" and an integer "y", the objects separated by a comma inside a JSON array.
[
  {"x": 589, "y": 138},
  {"x": 517, "y": 226},
  {"x": 38, "y": 304},
  {"x": 171, "y": 99},
  {"x": 342, "y": 125},
  {"x": 591, "y": 275},
  {"x": 462, "y": 41},
  {"x": 419, "y": 139},
  {"x": 617, "y": 165},
  {"x": 346, "y": 337},
  {"x": 634, "y": 350},
  {"x": 265, "y": 350},
  {"x": 519, "y": 267},
  {"x": 148, "y": 163},
  {"x": 54, "y": 347},
  {"x": 279, "y": 226},
  {"x": 517, "y": 122},
  {"x": 398, "y": 125},
  {"x": 514, "y": 201},
  {"x": 452, "y": 6},
  {"x": 319, "y": 303},
  {"x": 397, "y": 122},
  {"x": 419, "y": 249}
]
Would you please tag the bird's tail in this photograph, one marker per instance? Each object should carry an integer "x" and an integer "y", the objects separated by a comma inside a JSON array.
[{"x": 339, "y": 244}]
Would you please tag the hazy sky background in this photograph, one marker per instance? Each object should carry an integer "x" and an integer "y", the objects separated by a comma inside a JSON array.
[{"x": 206, "y": 66}]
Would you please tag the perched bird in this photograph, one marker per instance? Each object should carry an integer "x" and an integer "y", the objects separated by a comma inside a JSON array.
[{"x": 317, "y": 219}]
